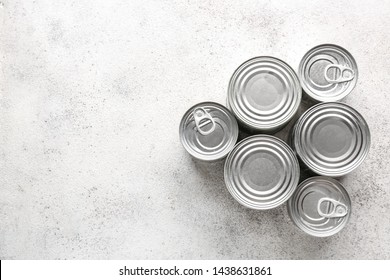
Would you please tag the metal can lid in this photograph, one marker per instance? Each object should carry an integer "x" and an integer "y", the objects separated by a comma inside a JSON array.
[
  {"x": 328, "y": 73},
  {"x": 320, "y": 206},
  {"x": 261, "y": 172},
  {"x": 208, "y": 131},
  {"x": 264, "y": 93},
  {"x": 331, "y": 139}
]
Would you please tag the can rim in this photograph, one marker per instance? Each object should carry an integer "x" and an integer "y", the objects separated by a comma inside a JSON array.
[
  {"x": 289, "y": 113},
  {"x": 319, "y": 97},
  {"x": 332, "y": 173},
  {"x": 294, "y": 199},
  {"x": 294, "y": 177},
  {"x": 224, "y": 152}
]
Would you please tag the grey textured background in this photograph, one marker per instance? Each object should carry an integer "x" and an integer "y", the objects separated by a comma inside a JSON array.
[{"x": 92, "y": 93}]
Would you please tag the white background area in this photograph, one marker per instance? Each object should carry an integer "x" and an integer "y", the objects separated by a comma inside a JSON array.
[{"x": 91, "y": 96}]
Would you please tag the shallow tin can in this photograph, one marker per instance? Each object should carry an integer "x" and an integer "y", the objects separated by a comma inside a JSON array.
[
  {"x": 264, "y": 94},
  {"x": 328, "y": 73},
  {"x": 261, "y": 172},
  {"x": 331, "y": 139},
  {"x": 320, "y": 206},
  {"x": 208, "y": 131}
]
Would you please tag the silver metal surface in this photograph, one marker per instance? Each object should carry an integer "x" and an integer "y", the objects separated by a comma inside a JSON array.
[
  {"x": 264, "y": 94},
  {"x": 261, "y": 172},
  {"x": 320, "y": 206},
  {"x": 208, "y": 131},
  {"x": 328, "y": 73},
  {"x": 203, "y": 118},
  {"x": 331, "y": 139}
]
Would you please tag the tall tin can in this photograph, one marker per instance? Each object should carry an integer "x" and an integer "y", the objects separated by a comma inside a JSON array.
[
  {"x": 328, "y": 73},
  {"x": 208, "y": 131},
  {"x": 320, "y": 206},
  {"x": 331, "y": 139},
  {"x": 261, "y": 172},
  {"x": 264, "y": 94}
]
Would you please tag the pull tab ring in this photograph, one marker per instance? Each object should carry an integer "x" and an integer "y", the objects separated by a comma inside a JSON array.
[
  {"x": 342, "y": 78},
  {"x": 202, "y": 118},
  {"x": 339, "y": 209}
]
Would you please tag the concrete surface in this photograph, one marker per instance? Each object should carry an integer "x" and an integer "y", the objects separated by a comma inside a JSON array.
[{"x": 92, "y": 93}]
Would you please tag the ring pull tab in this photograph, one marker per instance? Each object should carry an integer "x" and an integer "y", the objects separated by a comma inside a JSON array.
[
  {"x": 337, "y": 209},
  {"x": 343, "y": 77},
  {"x": 203, "y": 118}
]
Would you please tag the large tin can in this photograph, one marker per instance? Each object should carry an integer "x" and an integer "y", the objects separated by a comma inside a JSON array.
[
  {"x": 331, "y": 139},
  {"x": 328, "y": 73},
  {"x": 208, "y": 131},
  {"x": 261, "y": 172},
  {"x": 264, "y": 94},
  {"x": 320, "y": 206}
]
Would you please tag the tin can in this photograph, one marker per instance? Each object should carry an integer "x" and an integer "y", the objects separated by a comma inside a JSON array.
[
  {"x": 261, "y": 172},
  {"x": 328, "y": 73},
  {"x": 264, "y": 94},
  {"x": 331, "y": 139},
  {"x": 320, "y": 206},
  {"x": 208, "y": 131}
]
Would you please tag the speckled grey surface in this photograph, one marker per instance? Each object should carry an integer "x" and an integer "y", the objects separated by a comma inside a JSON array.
[{"x": 91, "y": 96}]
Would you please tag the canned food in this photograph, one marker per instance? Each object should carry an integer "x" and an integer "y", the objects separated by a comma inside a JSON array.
[
  {"x": 328, "y": 73},
  {"x": 320, "y": 206},
  {"x": 208, "y": 131},
  {"x": 261, "y": 172},
  {"x": 264, "y": 94},
  {"x": 331, "y": 139}
]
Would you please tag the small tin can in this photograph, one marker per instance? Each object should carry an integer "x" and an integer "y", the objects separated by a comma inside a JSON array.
[
  {"x": 208, "y": 131},
  {"x": 261, "y": 172},
  {"x": 320, "y": 206},
  {"x": 328, "y": 73},
  {"x": 331, "y": 139},
  {"x": 264, "y": 94}
]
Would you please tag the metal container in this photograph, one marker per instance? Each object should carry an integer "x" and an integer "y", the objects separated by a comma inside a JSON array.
[
  {"x": 264, "y": 94},
  {"x": 261, "y": 172},
  {"x": 208, "y": 131},
  {"x": 320, "y": 206},
  {"x": 328, "y": 73},
  {"x": 331, "y": 139}
]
